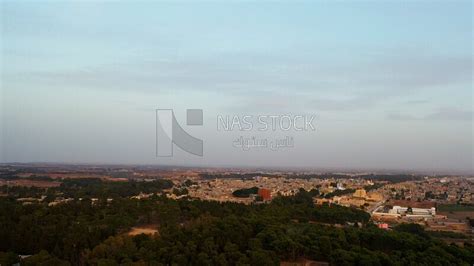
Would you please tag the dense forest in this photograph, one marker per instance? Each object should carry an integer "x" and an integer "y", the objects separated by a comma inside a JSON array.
[
  {"x": 194, "y": 232},
  {"x": 90, "y": 188}
]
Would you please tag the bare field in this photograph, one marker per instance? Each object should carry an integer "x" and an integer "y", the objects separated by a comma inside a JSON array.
[
  {"x": 30, "y": 183},
  {"x": 458, "y": 214},
  {"x": 147, "y": 230},
  {"x": 82, "y": 175}
]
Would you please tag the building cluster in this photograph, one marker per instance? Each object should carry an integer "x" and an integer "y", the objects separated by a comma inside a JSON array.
[
  {"x": 222, "y": 189},
  {"x": 388, "y": 203},
  {"x": 441, "y": 190},
  {"x": 360, "y": 199},
  {"x": 417, "y": 200}
]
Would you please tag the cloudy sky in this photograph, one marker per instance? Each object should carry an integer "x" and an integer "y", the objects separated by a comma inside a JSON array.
[{"x": 390, "y": 82}]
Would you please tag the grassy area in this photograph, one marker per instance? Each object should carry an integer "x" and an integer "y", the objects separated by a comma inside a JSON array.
[{"x": 455, "y": 208}]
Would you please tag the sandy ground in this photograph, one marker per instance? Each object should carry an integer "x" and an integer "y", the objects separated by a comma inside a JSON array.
[
  {"x": 147, "y": 230},
  {"x": 458, "y": 214}
]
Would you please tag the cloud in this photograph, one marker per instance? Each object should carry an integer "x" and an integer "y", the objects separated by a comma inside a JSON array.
[
  {"x": 443, "y": 114},
  {"x": 319, "y": 85},
  {"x": 401, "y": 117},
  {"x": 224, "y": 71},
  {"x": 450, "y": 114},
  {"x": 415, "y": 102},
  {"x": 351, "y": 104}
]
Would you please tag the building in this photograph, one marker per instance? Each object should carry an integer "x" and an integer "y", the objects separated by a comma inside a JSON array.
[
  {"x": 373, "y": 196},
  {"x": 360, "y": 193},
  {"x": 340, "y": 186},
  {"x": 322, "y": 201},
  {"x": 407, "y": 209},
  {"x": 383, "y": 226},
  {"x": 265, "y": 194}
]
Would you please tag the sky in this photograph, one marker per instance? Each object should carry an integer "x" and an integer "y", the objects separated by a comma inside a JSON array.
[{"x": 389, "y": 82}]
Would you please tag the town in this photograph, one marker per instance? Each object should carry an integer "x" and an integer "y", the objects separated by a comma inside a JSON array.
[{"x": 438, "y": 203}]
